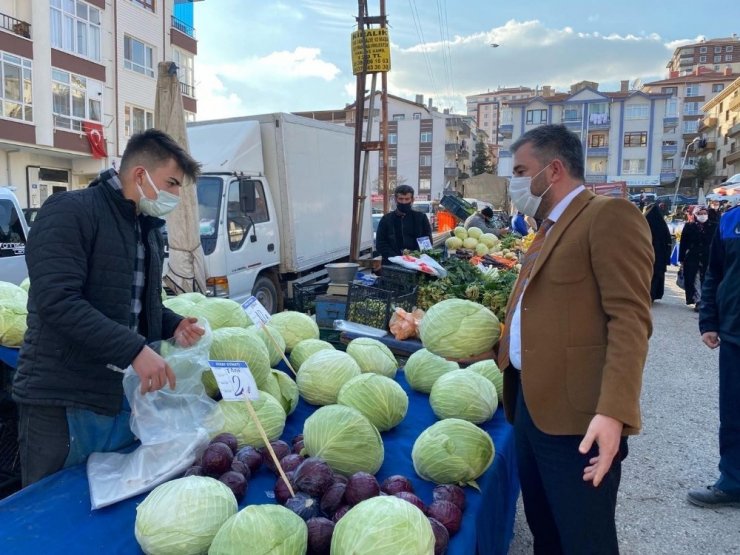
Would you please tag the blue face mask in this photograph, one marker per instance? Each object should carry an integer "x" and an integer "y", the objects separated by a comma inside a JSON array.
[{"x": 160, "y": 206}]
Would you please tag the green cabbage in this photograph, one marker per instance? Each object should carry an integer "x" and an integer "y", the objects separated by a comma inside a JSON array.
[
  {"x": 25, "y": 284},
  {"x": 222, "y": 313},
  {"x": 181, "y": 306},
  {"x": 193, "y": 297},
  {"x": 464, "y": 394},
  {"x": 262, "y": 530},
  {"x": 344, "y": 438},
  {"x": 489, "y": 370},
  {"x": 272, "y": 387},
  {"x": 294, "y": 327},
  {"x": 384, "y": 525},
  {"x": 424, "y": 367},
  {"x": 13, "y": 314},
  {"x": 373, "y": 356},
  {"x": 181, "y": 517},
  {"x": 475, "y": 232},
  {"x": 240, "y": 344},
  {"x": 470, "y": 243},
  {"x": 458, "y": 328},
  {"x": 239, "y": 422},
  {"x": 288, "y": 391},
  {"x": 481, "y": 249},
  {"x": 209, "y": 382},
  {"x": 11, "y": 292},
  {"x": 323, "y": 375},
  {"x": 380, "y": 399},
  {"x": 275, "y": 352},
  {"x": 305, "y": 349},
  {"x": 454, "y": 243},
  {"x": 489, "y": 240},
  {"x": 461, "y": 233},
  {"x": 452, "y": 451}
]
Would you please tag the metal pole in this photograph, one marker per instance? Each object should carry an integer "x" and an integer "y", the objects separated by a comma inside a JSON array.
[
  {"x": 384, "y": 120},
  {"x": 680, "y": 175},
  {"x": 359, "y": 118}
]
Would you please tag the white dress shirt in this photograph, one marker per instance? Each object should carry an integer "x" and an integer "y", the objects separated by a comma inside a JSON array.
[{"x": 515, "y": 337}]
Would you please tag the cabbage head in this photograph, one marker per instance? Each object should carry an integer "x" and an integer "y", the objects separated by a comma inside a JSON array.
[
  {"x": 13, "y": 313},
  {"x": 464, "y": 394},
  {"x": 460, "y": 232},
  {"x": 210, "y": 384},
  {"x": 181, "y": 306},
  {"x": 323, "y": 375},
  {"x": 272, "y": 387},
  {"x": 373, "y": 356},
  {"x": 239, "y": 422},
  {"x": 489, "y": 240},
  {"x": 424, "y": 367},
  {"x": 344, "y": 438},
  {"x": 288, "y": 391},
  {"x": 470, "y": 243},
  {"x": 240, "y": 344},
  {"x": 454, "y": 243},
  {"x": 452, "y": 451},
  {"x": 222, "y": 313},
  {"x": 475, "y": 232},
  {"x": 489, "y": 370},
  {"x": 305, "y": 349},
  {"x": 458, "y": 328},
  {"x": 12, "y": 292},
  {"x": 481, "y": 249},
  {"x": 25, "y": 284},
  {"x": 181, "y": 517},
  {"x": 294, "y": 327},
  {"x": 382, "y": 526},
  {"x": 262, "y": 530},
  {"x": 275, "y": 352},
  {"x": 380, "y": 399}
]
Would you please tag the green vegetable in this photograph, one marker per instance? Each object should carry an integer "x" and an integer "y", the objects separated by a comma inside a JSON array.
[
  {"x": 238, "y": 421},
  {"x": 323, "y": 375},
  {"x": 13, "y": 314},
  {"x": 275, "y": 353},
  {"x": 294, "y": 327},
  {"x": 240, "y": 344},
  {"x": 464, "y": 394},
  {"x": 475, "y": 232},
  {"x": 25, "y": 284},
  {"x": 221, "y": 313},
  {"x": 481, "y": 249},
  {"x": 371, "y": 312},
  {"x": 385, "y": 525},
  {"x": 305, "y": 349},
  {"x": 458, "y": 328},
  {"x": 262, "y": 530},
  {"x": 344, "y": 438},
  {"x": 181, "y": 517},
  {"x": 373, "y": 356},
  {"x": 461, "y": 233},
  {"x": 454, "y": 243},
  {"x": 288, "y": 391},
  {"x": 488, "y": 369},
  {"x": 452, "y": 451},
  {"x": 380, "y": 399},
  {"x": 488, "y": 239},
  {"x": 424, "y": 367},
  {"x": 209, "y": 382}
]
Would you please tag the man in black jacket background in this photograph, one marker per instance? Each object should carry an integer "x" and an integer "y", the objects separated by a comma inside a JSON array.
[
  {"x": 95, "y": 260},
  {"x": 400, "y": 229}
]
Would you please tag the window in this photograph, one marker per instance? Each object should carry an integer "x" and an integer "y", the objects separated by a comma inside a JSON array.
[
  {"x": 148, "y": 4},
  {"x": 425, "y": 160},
  {"x": 536, "y": 117},
  {"x": 717, "y": 59},
  {"x": 392, "y": 161},
  {"x": 75, "y": 99},
  {"x": 691, "y": 126},
  {"x": 137, "y": 120},
  {"x": 635, "y": 138},
  {"x": 239, "y": 222},
  {"x": 728, "y": 57},
  {"x": 671, "y": 107},
  {"x": 399, "y": 117},
  {"x": 571, "y": 114},
  {"x": 392, "y": 139},
  {"x": 670, "y": 90},
  {"x": 184, "y": 63},
  {"x": 690, "y": 108},
  {"x": 717, "y": 49},
  {"x": 425, "y": 185},
  {"x": 75, "y": 28},
  {"x": 717, "y": 87},
  {"x": 598, "y": 108},
  {"x": 426, "y": 137},
  {"x": 12, "y": 238},
  {"x": 636, "y": 111},
  {"x": 728, "y": 48},
  {"x": 667, "y": 165},
  {"x": 138, "y": 56},
  {"x": 634, "y": 166},
  {"x": 417, "y": 115},
  {"x": 16, "y": 92},
  {"x": 597, "y": 140},
  {"x": 702, "y": 59},
  {"x": 703, "y": 50},
  {"x": 692, "y": 90}
]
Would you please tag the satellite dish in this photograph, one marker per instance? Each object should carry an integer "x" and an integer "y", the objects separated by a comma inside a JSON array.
[{"x": 636, "y": 84}]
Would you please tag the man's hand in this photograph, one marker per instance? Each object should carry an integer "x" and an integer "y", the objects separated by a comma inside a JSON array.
[
  {"x": 153, "y": 371},
  {"x": 188, "y": 332},
  {"x": 606, "y": 432},
  {"x": 711, "y": 339}
]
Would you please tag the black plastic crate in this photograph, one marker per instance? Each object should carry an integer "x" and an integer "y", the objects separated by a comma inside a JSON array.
[
  {"x": 373, "y": 306},
  {"x": 304, "y": 295},
  {"x": 398, "y": 278}
]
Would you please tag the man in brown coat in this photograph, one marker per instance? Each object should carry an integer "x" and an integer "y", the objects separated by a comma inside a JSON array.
[{"x": 574, "y": 345}]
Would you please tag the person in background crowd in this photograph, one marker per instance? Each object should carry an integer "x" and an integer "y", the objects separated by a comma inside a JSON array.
[
  {"x": 693, "y": 253},
  {"x": 95, "y": 263},
  {"x": 641, "y": 204},
  {"x": 661, "y": 238},
  {"x": 483, "y": 220},
  {"x": 519, "y": 224},
  {"x": 713, "y": 215},
  {"x": 400, "y": 229},
  {"x": 719, "y": 324},
  {"x": 574, "y": 345}
]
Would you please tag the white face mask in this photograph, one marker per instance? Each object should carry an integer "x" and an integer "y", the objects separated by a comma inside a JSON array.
[
  {"x": 160, "y": 206},
  {"x": 702, "y": 218},
  {"x": 520, "y": 190}
]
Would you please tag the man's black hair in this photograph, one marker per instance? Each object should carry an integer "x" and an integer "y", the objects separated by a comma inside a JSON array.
[
  {"x": 555, "y": 142},
  {"x": 487, "y": 212},
  {"x": 153, "y": 148},
  {"x": 403, "y": 190}
]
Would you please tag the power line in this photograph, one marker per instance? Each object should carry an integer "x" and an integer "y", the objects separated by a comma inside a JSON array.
[{"x": 420, "y": 33}]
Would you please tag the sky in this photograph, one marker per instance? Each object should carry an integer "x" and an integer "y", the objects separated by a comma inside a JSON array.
[{"x": 289, "y": 56}]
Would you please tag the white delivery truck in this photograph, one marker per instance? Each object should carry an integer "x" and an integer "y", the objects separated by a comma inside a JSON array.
[
  {"x": 275, "y": 202},
  {"x": 13, "y": 235}
]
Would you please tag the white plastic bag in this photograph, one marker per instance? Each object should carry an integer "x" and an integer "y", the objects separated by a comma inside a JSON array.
[{"x": 424, "y": 263}]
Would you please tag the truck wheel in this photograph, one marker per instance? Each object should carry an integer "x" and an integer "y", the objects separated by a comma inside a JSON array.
[{"x": 267, "y": 294}]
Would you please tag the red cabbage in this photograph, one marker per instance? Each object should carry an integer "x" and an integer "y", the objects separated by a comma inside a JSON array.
[
  {"x": 394, "y": 484},
  {"x": 361, "y": 486},
  {"x": 447, "y": 513},
  {"x": 313, "y": 477},
  {"x": 441, "y": 536},
  {"x": 450, "y": 492},
  {"x": 216, "y": 459},
  {"x": 320, "y": 531}
]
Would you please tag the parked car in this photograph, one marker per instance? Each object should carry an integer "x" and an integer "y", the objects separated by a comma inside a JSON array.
[
  {"x": 681, "y": 200},
  {"x": 13, "y": 234},
  {"x": 30, "y": 214},
  {"x": 649, "y": 197},
  {"x": 734, "y": 180},
  {"x": 428, "y": 208},
  {"x": 376, "y": 220}
]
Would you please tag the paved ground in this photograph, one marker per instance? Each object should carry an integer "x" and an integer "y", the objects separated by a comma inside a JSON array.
[{"x": 677, "y": 449}]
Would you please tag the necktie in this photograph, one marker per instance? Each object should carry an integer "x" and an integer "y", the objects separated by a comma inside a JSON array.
[{"x": 527, "y": 264}]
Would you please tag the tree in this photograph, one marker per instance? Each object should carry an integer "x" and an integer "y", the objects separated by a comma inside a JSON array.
[
  {"x": 482, "y": 159},
  {"x": 703, "y": 168}
]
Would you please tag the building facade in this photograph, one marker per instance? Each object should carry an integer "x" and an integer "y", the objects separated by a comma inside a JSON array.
[
  {"x": 714, "y": 54},
  {"x": 486, "y": 108},
  {"x": 721, "y": 129},
  {"x": 79, "y": 78}
]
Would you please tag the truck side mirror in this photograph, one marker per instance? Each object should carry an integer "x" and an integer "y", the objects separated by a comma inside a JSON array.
[{"x": 247, "y": 196}]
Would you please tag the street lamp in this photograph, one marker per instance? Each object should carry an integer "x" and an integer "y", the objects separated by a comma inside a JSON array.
[{"x": 683, "y": 163}]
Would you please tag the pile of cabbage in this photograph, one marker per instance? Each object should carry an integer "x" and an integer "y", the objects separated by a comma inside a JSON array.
[
  {"x": 473, "y": 239},
  {"x": 13, "y": 313},
  {"x": 459, "y": 329}
]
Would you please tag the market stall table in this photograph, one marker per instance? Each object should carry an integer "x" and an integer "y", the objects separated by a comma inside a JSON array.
[{"x": 54, "y": 515}]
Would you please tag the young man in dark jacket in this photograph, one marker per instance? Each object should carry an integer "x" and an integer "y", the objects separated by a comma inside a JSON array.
[
  {"x": 400, "y": 229},
  {"x": 95, "y": 259}
]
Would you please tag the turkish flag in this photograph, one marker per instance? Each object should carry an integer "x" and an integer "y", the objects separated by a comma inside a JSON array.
[{"x": 94, "y": 132}]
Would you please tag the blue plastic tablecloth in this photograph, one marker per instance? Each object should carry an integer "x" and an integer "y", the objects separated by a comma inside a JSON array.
[
  {"x": 9, "y": 356},
  {"x": 54, "y": 516}
]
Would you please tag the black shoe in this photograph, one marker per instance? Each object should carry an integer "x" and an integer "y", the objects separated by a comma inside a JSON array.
[
  {"x": 696, "y": 308},
  {"x": 710, "y": 496}
]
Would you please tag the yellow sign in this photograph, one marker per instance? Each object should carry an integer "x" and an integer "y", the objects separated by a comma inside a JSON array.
[{"x": 378, "y": 51}]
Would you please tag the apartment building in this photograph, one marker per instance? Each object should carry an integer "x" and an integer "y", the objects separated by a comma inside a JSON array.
[
  {"x": 721, "y": 128},
  {"x": 713, "y": 54},
  {"x": 486, "y": 108},
  {"x": 684, "y": 115},
  {"x": 79, "y": 78},
  {"x": 622, "y": 131}
]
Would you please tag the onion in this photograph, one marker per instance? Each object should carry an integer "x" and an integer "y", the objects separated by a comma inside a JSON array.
[
  {"x": 241, "y": 468},
  {"x": 281, "y": 449},
  {"x": 228, "y": 439},
  {"x": 303, "y": 505},
  {"x": 441, "y": 536},
  {"x": 333, "y": 498},
  {"x": 216, "y": 459},
  {"x": 291, "y": 462},
  {"x": 413, "y": 499},
  {"x": 313, "y": 477},
  {"x": 361, "y": 486},
  {"x": 282, "y": 493},
  {"x": 341, "y": 511},
  {"x": 394, "y": 484},
  {"x": 298, "y": 447},
  {"x": 320, "y": 531},
  {"x": 236, "y": 482},
  {"x": 251, "y": 457},
  {"x": 450, "y": 492},
  {"x": 448, "y": 514}
]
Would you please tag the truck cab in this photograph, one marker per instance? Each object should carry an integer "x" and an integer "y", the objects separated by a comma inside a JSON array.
[{"x": 13, "y": 237}]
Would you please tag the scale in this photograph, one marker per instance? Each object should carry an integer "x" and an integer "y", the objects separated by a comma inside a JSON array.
[
  {"x": 333, "y": 304},
  {"x": 340, "y": 276}
]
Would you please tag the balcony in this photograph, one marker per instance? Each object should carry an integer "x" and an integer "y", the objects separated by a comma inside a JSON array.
[
  {"x": 733, "y": 156},
  {"x": 687, "y": 61},
  {"x": 689, "y": 136},
  {"x": 667, "y": 176},
  {"x": 16, "y": 26},
  {"x": 599, "y": 121},
  {"x": 597, "y": 151},
  {"x": 187, "y": 90},
  {"x": 734, "y": 130},
  {"x": 504, "y": 154},
  {"x": 735, "y": 102},
  {"x": 451, "y": 147},
  {"x": 463, "y": 154},
  {"x": 452, "y": 172},
  {"x": 507, "y": 130},
  {"x": 711, "y": 147},
  {"x": 669, "y": 150},
  {"x": 707, "y": 123},
  {"x": 183, "y": 27},
  {"x": 670, "y": 121}
]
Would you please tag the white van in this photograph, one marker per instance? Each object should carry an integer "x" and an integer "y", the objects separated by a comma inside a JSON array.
[{"x": 13, "y": 236}]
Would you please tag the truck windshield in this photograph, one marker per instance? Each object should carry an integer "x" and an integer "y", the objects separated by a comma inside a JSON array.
[{"x": 209, "y": 205}]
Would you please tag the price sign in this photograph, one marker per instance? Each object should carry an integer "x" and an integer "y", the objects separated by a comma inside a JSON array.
[
  {"x": 424, "y": 244},
  {"x": 234, "y": 380},
  {"x": 256, "y": 312}
]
